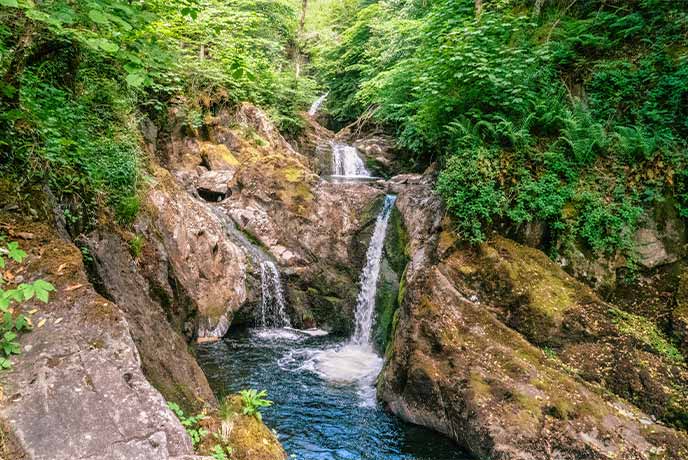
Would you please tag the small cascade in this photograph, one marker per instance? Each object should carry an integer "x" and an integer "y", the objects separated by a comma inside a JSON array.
[
  {"x": 346, "y": 162},
  {"x": 365, "y": 302},
  {"x": 316, "y": 105},
  {"x": 273, "y": 311}
]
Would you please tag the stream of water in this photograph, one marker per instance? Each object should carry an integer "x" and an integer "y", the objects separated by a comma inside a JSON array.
[
  {"x": 323, "y": 387},
  {"x": 316, "y": 418}
]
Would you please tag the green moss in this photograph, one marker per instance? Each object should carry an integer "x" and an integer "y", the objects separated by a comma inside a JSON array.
[
  {"x": 646, "y": 332},
  {"x": 385, "y": 305}
]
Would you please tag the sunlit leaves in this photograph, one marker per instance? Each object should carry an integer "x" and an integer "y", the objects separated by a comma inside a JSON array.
[{"x": 11, "y": 322}]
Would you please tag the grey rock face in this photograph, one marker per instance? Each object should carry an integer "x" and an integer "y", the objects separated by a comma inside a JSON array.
[{"x": 77, "y": 390}]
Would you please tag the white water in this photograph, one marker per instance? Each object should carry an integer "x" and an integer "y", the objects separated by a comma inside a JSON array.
[
  {"x": 346, "y": 162},
  {"x": 316, "y": 105},
  {"x": 356, "y": 362},
  {"x": 365, "y": 302},
  {"x": 273, "y": 309}
]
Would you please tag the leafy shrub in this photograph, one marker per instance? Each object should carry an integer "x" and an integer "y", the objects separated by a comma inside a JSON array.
[
  {"x": 13, "y": 323},
  {"x": 195, "y": 431},
  {"x": 469, "y": 186},
  {"x": 253, "y": 400}
]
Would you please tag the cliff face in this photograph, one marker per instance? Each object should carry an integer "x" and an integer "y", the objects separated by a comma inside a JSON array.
[
  {"x": 242, "y": 173},
  {"x": 464, "y": 360},
  {"x": 78, "y": 389}
]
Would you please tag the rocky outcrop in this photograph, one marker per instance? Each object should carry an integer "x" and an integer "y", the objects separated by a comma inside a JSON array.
[
  {"x": 191, "y": 243},
  {"x": 165, "y": 359},
  {"x": 77, "y": 391},
  {"x": 457, "y": 366},
  {"x": 308, "y": 226},
  {"x": 661, "y": 239}
]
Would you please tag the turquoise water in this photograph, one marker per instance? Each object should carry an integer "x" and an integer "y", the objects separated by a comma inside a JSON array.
[{"x": 316, "y": 419}]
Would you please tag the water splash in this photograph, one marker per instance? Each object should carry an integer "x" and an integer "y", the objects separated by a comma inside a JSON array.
[
  {"x": 273, "y": 308},
  {"x": 356, "y": 362},
  {"x": 365, "y": 302},
  {"x": 346, "y": 161},
  {"x": 316, "y": 105}
]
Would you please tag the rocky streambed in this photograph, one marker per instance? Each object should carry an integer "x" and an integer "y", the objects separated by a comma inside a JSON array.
[{"x": 495, "y": 347}]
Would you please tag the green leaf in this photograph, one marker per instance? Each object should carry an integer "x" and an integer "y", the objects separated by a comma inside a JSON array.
[
  {"x": 107, "y": 45},
  {"x": 10, "y": 3},
  {"x": 136, "y": 79},
  {"x": 98, "y": 17}
]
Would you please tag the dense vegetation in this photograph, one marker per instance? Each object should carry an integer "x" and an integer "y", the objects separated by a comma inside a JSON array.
[
  {"x": 571, "y": 114},
  {"x": 78, "y": 78}
]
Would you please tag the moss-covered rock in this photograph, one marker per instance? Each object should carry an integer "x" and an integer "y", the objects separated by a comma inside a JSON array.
[
  {"x": 462, "y": 359},
  {"x": 245, "y": 437}
]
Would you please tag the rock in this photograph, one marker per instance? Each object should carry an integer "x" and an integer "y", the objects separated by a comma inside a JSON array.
[
  {"x": 217, "y": 157},
  {"x": 662, "y": 237},
  {"x": 214, "y": 185},
  {"x": 456, "y": 366},
  {"x": 78, "y": 390},
  {"x": 208, "y": 267},
  {"x": 165, "y": 359}
]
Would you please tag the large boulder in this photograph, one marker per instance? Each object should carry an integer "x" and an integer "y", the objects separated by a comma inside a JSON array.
[
  {"x": 208, "y": 267},
  {"x": 121, "y": 277},
  {"x": 77, "y": 390},
  {"x": 458, "y": 364}
]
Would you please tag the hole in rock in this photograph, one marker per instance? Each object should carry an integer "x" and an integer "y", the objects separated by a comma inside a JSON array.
[{"x": 210, "y": 195}]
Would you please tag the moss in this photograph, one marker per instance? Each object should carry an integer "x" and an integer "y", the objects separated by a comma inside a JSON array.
[
  {"x": 245, "y": 436},
  {"x": 390, "y": 343},
  {"x": 646, "y": 332},
  {"x": 385, "y": 305}
]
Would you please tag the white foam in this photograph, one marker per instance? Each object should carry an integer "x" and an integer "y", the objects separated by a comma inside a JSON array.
[{"x": 264, "y": 333}]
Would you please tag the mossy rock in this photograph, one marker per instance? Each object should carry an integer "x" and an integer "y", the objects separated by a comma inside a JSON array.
[{"x": 245, "y": 436}]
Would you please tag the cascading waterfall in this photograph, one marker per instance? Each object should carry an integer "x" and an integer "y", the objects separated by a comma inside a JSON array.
[
  {"x": 273, "y": 307},
  {"x": 365, "y": 302},
  {"x": 316, "y": 105},
  {"x": 347, "y": 162},
  {"x": 356, "y": 361}
]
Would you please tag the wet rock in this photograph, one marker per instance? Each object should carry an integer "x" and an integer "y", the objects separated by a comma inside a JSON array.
[
  {"x": 456, "y": 366},
  {"x": 213, "y": 186},
  {"x": 78, "y": 391}
]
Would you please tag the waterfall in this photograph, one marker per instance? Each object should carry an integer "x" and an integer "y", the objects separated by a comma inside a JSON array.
[
  {"x": 347, "y": 162},
  {"x": 365, "y": 302},
  {"x": 273, "y": 311},
  {"x": 273, "y": 307},
  {"x": 316, "y": 105}
]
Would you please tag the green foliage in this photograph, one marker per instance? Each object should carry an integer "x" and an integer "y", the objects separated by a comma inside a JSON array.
[
  {"x": 190, "y": 423},
  {"x": 534, "y": 115},
  {"x": 253, "y": 400},
  {"x": 219, "y": 453},
  {"x": 136, "y": 246},
  {"x": 76, "y": 78},
  {"x": 469, "y": 186},
  {"x": 13, "y": 323}
]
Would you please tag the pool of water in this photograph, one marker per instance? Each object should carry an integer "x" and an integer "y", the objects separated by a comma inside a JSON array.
[{"x": 321, "y": 411}]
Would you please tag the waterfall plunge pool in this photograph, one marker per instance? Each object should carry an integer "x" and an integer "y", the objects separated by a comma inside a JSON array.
[{"x": 325, "y": 406}]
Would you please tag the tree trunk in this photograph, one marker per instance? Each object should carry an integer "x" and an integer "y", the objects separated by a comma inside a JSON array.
[
  {"x": 478, "y": 8},
  {"x": 302, "y": 20}
]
